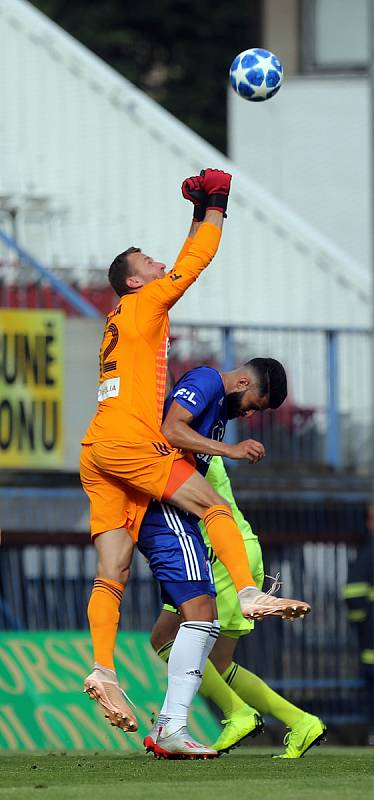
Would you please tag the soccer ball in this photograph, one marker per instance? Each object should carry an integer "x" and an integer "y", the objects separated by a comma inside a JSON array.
[{"x": 256, "y": 74}]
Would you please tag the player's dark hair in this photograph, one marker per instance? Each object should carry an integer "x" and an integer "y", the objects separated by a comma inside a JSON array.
[
  {"x": 272, "y": 379},
  {"x": 119, "y": 270}
]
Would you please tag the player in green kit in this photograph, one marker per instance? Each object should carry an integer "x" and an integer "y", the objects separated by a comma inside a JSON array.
[{"x": 241, "y": 695}]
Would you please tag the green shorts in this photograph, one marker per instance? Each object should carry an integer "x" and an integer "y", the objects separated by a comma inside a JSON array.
[{"x": 230, "y": 616}]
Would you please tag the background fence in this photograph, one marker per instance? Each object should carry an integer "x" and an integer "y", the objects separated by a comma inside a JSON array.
[{"x": 315, "y": 663}]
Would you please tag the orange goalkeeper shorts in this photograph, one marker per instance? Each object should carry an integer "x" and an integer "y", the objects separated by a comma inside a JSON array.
[{"x": 120, "y": 479}]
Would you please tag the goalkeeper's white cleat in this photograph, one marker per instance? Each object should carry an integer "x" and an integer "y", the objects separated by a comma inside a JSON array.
[
  {"x": 256, "y": 605},
  {"x": 180, "y": 744},
  {"x": 102, "y": 685}
]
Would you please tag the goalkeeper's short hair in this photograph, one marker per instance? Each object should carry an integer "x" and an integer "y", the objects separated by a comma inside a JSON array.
[{"x": 119, "y": 270}]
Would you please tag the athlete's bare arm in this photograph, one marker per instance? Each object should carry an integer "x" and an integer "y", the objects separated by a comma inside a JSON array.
[
  {"x": 212, "y": 216},
  {"x": 195, "y": 227},
  {"x": 178, "y": 431}
]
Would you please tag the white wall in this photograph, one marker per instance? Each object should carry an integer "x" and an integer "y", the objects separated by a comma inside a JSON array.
[{"x": 310, "y": 147}]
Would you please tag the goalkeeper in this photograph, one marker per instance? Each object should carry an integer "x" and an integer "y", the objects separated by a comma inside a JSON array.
[{"x": 241, "y": 695}]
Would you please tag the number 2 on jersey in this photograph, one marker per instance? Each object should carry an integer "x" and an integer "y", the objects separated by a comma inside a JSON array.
[{"x": 105, "y": 365}]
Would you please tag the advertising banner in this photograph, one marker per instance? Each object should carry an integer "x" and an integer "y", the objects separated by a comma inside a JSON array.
[
  {"x": 43, "y": 707},
  {"x": 31, "y": 388}
]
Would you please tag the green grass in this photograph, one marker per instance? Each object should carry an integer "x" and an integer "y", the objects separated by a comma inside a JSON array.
[{"x": 325, "y": 774}]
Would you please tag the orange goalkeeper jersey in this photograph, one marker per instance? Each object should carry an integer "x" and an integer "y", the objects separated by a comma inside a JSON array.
[{"x": 133, "y": 353}]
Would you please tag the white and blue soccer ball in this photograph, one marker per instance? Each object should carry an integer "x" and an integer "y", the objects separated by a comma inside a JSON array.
[{"x": 256, "y": 74}]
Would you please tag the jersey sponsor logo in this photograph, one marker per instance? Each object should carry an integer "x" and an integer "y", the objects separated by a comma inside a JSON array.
[
  {"x": 204, "y": 457},
  {"x": 217, "y": 434},
  {"x": 109, "y": 388},
  {"x": 218, "y": 431},
  {"x": 187, "y": 395}
]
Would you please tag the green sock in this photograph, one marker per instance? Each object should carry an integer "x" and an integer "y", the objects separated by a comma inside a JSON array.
[
  {"x": 256, "y": 693},
  {"x": 213, "y": 686},
  {"x": 164, "y": 651}
]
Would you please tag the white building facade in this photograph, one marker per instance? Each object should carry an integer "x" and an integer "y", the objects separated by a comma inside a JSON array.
[{"x": 89, "y": 165}]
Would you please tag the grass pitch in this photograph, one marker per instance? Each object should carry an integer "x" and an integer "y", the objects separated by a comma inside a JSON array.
[{"x": 325, "y": 774}]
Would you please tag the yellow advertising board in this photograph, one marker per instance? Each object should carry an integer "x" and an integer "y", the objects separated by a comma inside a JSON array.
[{"x": 31, "y": 388}]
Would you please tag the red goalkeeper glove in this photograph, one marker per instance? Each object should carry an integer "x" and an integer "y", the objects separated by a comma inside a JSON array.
[
  {"x": 191, "y": 190},
  {"x": 216, "y": 184}
]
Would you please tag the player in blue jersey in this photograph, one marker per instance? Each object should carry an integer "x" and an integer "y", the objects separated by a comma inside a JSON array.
[{"x": 196, "y": 413}]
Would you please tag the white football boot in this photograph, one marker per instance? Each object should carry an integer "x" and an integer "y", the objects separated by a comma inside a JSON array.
[
  {"x": 151, "y": 737},
  {"x": 180, "y": 744}
]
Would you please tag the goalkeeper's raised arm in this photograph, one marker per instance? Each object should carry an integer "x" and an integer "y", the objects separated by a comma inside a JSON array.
[{"x": 208, "y": 192}]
